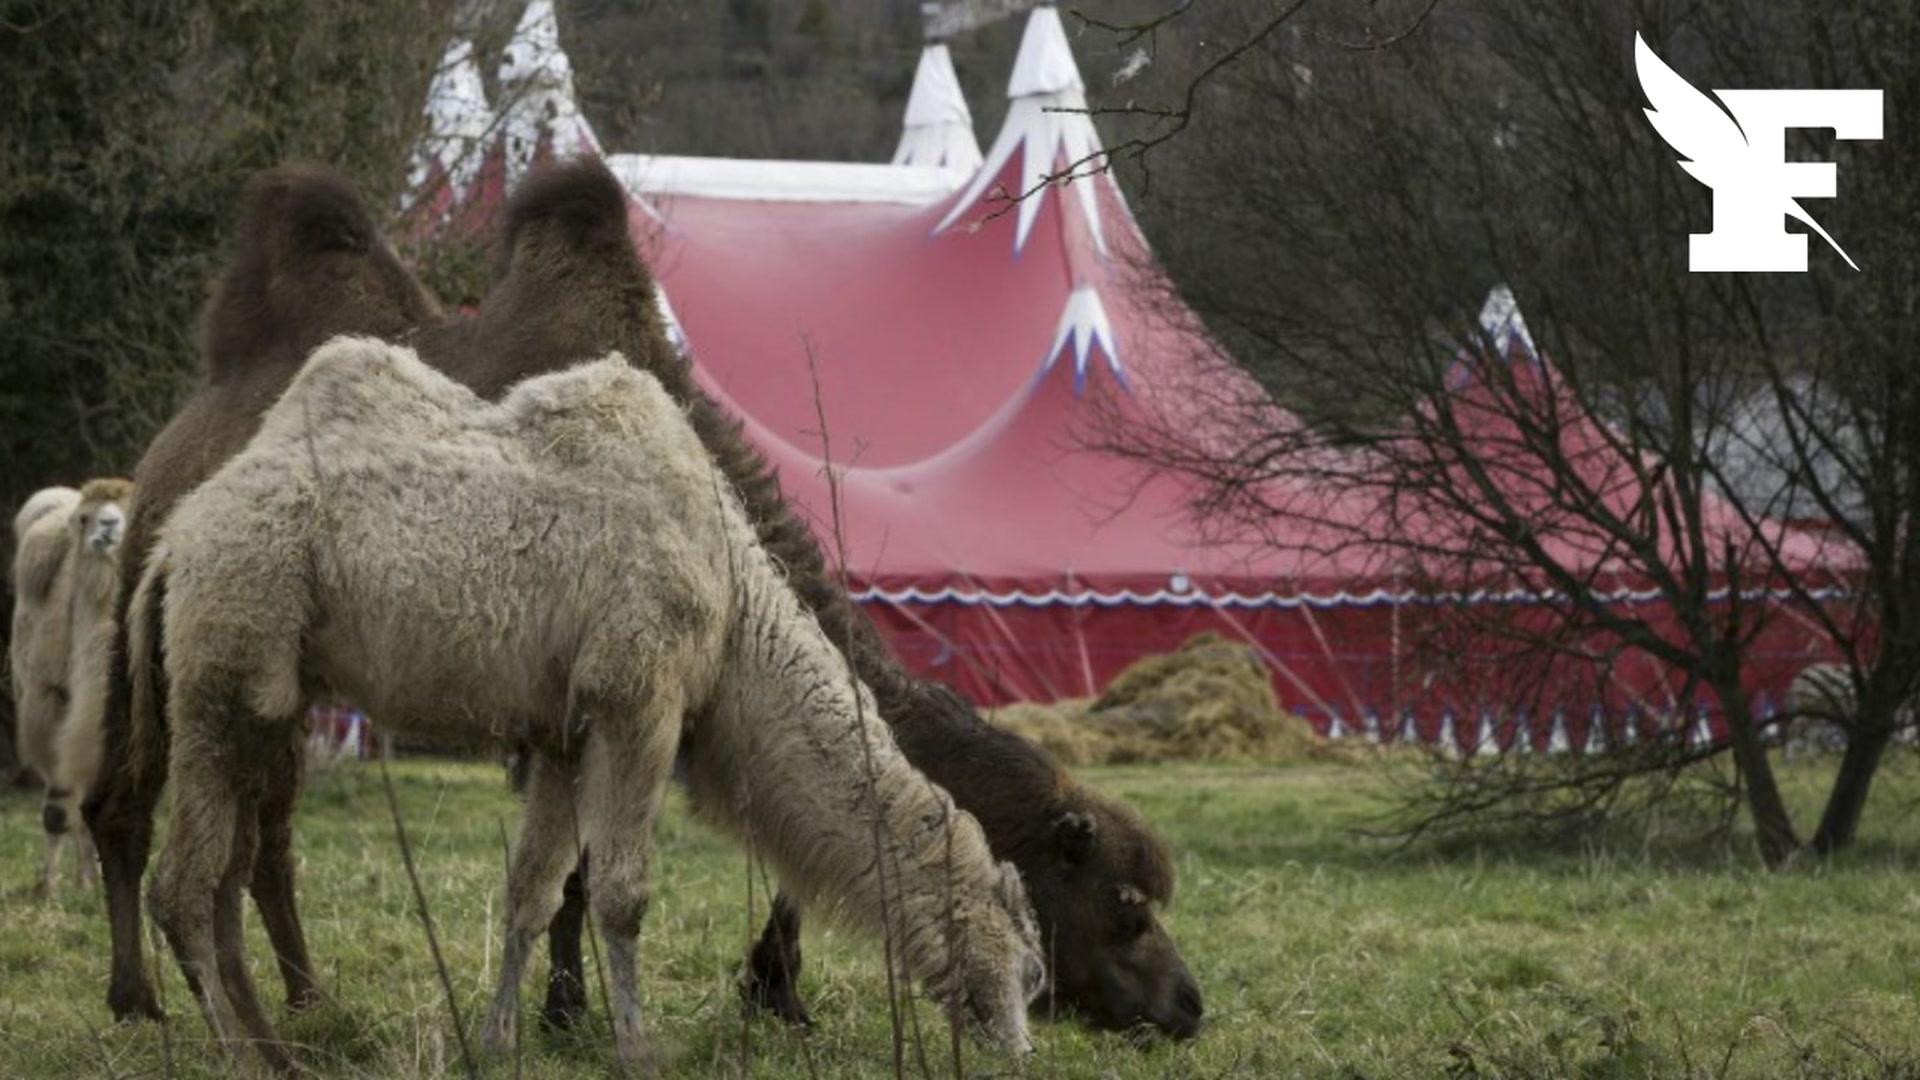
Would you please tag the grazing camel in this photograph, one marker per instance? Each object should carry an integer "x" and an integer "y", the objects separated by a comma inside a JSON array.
[
  {"x": 566, "y": 569},
  {"x": 570, "y": 286},
  {"x": 64, "y": 579}
]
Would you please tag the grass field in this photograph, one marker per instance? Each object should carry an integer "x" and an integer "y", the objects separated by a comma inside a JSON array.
[{"x": 1321, "y": 953}]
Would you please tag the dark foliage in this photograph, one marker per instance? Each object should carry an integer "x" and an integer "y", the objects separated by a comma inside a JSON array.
[{"x": 126, "y": 131}]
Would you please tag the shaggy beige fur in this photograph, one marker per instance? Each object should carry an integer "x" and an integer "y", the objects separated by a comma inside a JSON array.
[
  {"x": 37, "y": 655},
  {"x": 467, "y": 570},
  {"x": 51, "y": 500},
  {"x": 64, "y": 575}
]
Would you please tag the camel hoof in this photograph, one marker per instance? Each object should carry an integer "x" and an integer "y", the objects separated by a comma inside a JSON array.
[
  {"x": 496, "y": 1036},
  {"x": 305, "y": 999},
  {"x": 778, "y": 998},
  {"x": 566, "y": 1005},
  {"x": 129, "y": 1006}
]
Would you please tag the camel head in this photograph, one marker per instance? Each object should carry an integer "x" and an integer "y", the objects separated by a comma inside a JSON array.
[
  {"x": 1097, "y": 874},
  {"x": 994, "y": 996},
  {"x": 1100, "y": 880},
  {"x": 99, "y": 519}
]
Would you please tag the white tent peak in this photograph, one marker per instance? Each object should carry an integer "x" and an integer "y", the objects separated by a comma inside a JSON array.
[
  {"x": 676, "y": 334},
  {"x": 1048, "y": 125},
  {"x": 1045, "y": 62},
  {"x": 938, "y": 130},
  {"x": 1501, "y": 322},
  {"x": 1084, "y": 324},
  {"x": 536, "y": 88},
  {"x": 459, "y": 123}
]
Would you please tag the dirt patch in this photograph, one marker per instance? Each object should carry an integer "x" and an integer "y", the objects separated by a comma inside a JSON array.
[{"x": 1209, "y": 701}]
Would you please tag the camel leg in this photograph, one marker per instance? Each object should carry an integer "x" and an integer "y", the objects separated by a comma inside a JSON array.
[
  {"x": 123, "y": 836},
  {"x": 773, "y": 967},
  {"x": 540, "y": 864},
  {"x": 566, "y": 972},
  {"x": 628, "y": 766},
  {"x": 194, "y": 891},
  {"x": 49, "y": 865},
  {"x": 119, "y": 814},
  {"x": 229, "y": 939},
  {"x": 272, "y": 884},
  {"x": 87, "y": 873},
  {"x": 53, "y": 822}
]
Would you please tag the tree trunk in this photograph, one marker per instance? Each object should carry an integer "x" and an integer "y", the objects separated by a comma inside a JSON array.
[
  {"x": 1841, "y": 819},
  {"x": 1772, "y": 825}
]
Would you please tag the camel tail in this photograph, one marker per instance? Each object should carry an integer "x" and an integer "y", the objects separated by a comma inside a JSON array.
[{"x": 147, "y": 727}]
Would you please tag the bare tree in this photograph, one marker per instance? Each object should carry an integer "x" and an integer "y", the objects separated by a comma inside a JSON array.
[{"x": 1337, "y": 216}]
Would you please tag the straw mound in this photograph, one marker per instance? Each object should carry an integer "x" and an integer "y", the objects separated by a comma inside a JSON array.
[{"x": 1209, "y": 701}]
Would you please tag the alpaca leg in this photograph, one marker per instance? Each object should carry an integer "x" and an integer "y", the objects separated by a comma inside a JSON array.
[
  {"x": 773, "y": 968},
  {"x": 566, "y": 972},
  {"x": 546, "y": 852},
  {"x": 628, "y": 764},
  {"x": 272, "y": 883}
]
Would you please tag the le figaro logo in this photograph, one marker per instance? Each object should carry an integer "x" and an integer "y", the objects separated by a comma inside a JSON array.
[{"x": 1740, "y": 151}]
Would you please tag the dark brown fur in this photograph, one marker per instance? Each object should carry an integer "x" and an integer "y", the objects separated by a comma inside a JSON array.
[{"x": 308, "y": 264}]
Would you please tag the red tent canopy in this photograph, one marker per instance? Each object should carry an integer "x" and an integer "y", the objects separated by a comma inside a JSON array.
[{"x": 947, "y": 351}]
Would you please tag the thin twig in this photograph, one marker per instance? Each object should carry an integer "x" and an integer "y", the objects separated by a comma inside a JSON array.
[
  {"x": 859, "y": 714},
  {"x": 506, "y": 864},
  {"x": 426, "y": 922}
]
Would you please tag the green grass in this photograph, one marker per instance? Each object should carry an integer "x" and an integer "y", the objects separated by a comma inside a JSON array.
[{"x": 1321, "y": 954}]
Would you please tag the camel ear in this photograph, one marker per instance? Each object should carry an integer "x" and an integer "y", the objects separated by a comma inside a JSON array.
[
  {"x": 1013, "y": 891},
  {"x": 1074, "y": 834}
]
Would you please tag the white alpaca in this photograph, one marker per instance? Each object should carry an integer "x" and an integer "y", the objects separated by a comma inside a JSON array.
[
  {"x": 65, "y": 575},
  {"x": 468, "y": 570}
]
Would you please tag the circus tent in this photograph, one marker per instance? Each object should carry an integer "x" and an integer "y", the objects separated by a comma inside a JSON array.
[{"x": 930, "y": 360}]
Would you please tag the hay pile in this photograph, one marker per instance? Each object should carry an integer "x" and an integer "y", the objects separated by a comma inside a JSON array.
[{"x": 1210, "y": 701}]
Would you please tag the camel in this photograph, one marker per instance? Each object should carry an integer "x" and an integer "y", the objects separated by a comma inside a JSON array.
[
  {"x": 566, "y": 569},
  {"x": 308, "y": 264},
  {"x": 64, "y": 580},
  {"x": 569, "y": 286},
  {"x": 1096, "y": 871}
]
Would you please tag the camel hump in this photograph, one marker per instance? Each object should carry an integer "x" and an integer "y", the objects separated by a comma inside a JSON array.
[
  {"x": 40, "y": 553},
  {"x": 607, "y": 402},
  {"x": 362, "y": 381},
  {"x": 49, "y": 500},
  {"x": 572, "y": 204},
  {"x": 308, "y": 262},
  {"x": 295, "y": 211}
]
